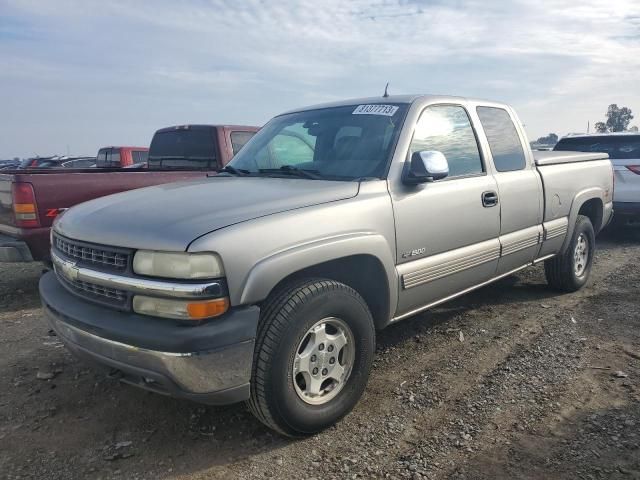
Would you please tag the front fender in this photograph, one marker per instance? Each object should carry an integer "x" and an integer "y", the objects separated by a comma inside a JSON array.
[{"x": 270, "y": 271}]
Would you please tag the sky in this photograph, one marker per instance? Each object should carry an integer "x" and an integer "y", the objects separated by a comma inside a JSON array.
[{"x": 77, "y": 75}]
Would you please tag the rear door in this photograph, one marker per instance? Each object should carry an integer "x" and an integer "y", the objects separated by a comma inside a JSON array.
[{"x": 519, "y": 188}]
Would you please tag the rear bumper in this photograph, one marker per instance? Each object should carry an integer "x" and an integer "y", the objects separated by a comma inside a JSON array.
[
  {"x": 14, "y": 250},
  {"x": 627, "y": 208},
  {"x": 209, "y": 363},
  {"x": 24, "y": 244}
]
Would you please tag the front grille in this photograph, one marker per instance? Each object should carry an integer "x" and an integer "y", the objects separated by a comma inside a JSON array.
[
  {"x": 93, "y": 291},
  {"x": 94, "y": 255}
]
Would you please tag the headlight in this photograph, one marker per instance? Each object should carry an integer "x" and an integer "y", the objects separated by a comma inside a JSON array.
[
  {"x": 178, "y": 265},
  {"x": 180, "y": 309}
]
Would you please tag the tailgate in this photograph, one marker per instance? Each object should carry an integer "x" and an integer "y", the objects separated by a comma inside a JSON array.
[{"x": 6, "y": 200}]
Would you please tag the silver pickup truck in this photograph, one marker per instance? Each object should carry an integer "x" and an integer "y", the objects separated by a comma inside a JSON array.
[{"x": 267, "y": 283}]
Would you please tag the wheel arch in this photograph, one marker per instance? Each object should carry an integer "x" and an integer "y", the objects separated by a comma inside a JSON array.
[
  {"x": 589, "y": 203},
  {"x": 362, "y": 262}
]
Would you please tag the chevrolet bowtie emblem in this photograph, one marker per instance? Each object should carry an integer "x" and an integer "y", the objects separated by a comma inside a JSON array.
[{"x": 69, "y": 270}]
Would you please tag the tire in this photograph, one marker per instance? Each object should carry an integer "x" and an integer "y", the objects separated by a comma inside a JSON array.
[
  {"x": 276, "y": 390},
  {"x": 563, "y": 271}
]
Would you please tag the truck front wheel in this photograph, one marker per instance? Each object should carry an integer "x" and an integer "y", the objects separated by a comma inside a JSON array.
[
  {"x": 314, "y": 349},
  {"x": 570, "y": 271}
]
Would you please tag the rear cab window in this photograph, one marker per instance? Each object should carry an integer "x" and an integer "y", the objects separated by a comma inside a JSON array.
[
  {"x": 188, "y": 147},
  {"x": 140, "y": 156},
  {"x": 504, "y": 141},
  {"x": 108, "y": 158}
]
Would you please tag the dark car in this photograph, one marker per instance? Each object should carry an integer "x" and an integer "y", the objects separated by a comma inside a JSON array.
[{"x": 58, "y": 162}]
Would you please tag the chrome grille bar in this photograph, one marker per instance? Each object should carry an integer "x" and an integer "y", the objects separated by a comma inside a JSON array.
[
  {"x": 72, "y": 272},
  {"x": 98, "y": 255}
]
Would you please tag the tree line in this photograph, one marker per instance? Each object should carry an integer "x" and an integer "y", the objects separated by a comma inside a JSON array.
[{"x": 617, "y": 120}]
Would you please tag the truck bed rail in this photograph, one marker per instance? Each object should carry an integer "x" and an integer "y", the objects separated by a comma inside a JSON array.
[{"x": 553, "y": 158}]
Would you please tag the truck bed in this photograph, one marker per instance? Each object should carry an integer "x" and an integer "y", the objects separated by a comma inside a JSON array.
[{"x": 567, "y": 178}]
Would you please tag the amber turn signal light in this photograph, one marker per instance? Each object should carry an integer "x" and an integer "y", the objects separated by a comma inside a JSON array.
[{"x": 208, "y": 309}]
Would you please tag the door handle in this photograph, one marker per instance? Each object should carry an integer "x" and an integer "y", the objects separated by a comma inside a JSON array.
[{"x": 489, "y": 199}]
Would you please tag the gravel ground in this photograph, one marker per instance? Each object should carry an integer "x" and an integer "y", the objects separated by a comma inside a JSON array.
[{"x": 512, "y": 381}]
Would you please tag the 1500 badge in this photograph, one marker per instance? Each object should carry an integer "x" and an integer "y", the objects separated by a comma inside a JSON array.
[{"x": 414, "y": 253}]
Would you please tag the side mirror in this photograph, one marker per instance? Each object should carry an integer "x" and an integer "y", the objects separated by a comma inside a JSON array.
[{"x": 426, "y": 166}]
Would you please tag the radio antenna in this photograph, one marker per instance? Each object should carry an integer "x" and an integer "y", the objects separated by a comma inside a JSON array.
[{"x": 386, "y": 92}]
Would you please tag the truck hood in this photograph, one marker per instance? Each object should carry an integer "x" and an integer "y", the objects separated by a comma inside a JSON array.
[{"x": 169, "y": 217}]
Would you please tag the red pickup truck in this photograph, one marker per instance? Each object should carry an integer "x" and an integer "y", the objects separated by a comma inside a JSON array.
[
  {"x": 114, "y": 157},
  {"x": 31, "y": 199}
]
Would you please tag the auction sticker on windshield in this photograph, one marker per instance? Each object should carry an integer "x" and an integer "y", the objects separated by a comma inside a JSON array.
[{"x": 386, "y": 110}]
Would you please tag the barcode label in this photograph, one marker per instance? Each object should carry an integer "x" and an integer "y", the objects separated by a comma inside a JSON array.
[{"x": 386, "y": 110}]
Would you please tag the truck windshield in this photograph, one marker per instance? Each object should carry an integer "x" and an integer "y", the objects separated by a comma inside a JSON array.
[
  {"x": 191, "y": 147},
  {"x": 620, "y": 147},
  {"x": 341, "y": 143}
]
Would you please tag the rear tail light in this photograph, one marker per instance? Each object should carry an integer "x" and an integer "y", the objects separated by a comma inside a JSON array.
[
  {"x": 634, "y": 168},
  {"x": 25, "y": 209}
]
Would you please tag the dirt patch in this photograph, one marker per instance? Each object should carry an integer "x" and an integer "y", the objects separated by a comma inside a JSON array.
[{"x": 512, "y": 381}]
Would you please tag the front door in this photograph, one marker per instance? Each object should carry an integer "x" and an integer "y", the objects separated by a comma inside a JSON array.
[{"x": 447, "y": 230}]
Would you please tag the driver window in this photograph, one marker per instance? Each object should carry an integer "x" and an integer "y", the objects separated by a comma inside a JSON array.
[{"x": 447, "y": 129}]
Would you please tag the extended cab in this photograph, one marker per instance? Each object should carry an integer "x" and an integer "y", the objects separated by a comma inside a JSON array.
[
  {"x": 31, "y": 199},
  {"x": 267, "y": 283}
]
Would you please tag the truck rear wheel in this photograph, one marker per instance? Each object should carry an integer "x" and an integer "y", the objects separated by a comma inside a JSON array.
[
  {"x": 570, "y": 271},
  {"x": 313, "y": 354}
]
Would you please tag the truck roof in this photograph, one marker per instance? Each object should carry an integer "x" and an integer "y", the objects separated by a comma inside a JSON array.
[{"x": 408, "y": 99}]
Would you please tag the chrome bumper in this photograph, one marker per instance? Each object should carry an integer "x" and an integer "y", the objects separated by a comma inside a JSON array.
[
  {"x": 209, "y": 363},
  {"x": 195, "y": 373}
]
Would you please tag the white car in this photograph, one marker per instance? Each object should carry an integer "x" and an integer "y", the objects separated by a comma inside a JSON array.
[{"x": 624, "y": 151}]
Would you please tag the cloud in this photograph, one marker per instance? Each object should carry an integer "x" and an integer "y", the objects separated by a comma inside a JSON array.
[{"x": 166, "y": 62}]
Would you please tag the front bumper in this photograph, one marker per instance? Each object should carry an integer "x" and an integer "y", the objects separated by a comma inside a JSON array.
[
  {"x": 14, "y": 250},
  {"x": 208, "y": 363}
]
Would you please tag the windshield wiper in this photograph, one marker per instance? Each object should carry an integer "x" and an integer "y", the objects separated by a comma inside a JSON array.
[
  {"x": 294, "y": 171},
  {"x": 240, "y": 172}
]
